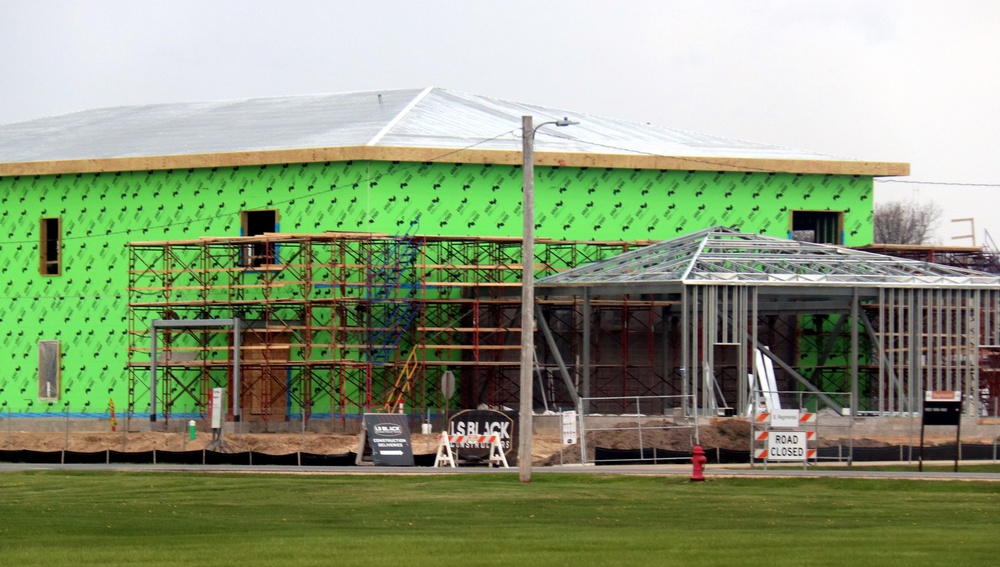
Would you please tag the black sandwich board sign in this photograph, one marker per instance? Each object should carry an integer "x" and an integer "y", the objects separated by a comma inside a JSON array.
[
  {"x": 485, "y": 422},
  {"x": 388, "y": 437},
  {"x": 941, "y": 407}
]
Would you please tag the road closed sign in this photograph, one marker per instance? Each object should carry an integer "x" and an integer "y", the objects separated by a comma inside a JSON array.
[{"x": 786, "y": 446}]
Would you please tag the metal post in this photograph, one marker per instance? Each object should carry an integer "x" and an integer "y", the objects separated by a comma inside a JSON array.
[
  {"x": 753, "y": 347},
  {"x": 884, "y": 365},
  {"x": 237, "y": 384},
  {"x": 915, "y": 388},
  {"x": 685, "y": 392},
  {"x": 562, "y": 437},
  {"x": 853, "y": 402},
  {"x": 152, "y": 373},
  {"x": 958, "y": 432},
  {"x": 740, "y": 336},
  {"x": 668, "y": 368},
  {"x": 585, "y": 387},
  {"x": 66, "y": 446},
  {"x": 563, "y": 371},
  {"x": 700, "y": 374},
  {"x": 638, "y": 424},
  {"x": 527, "y": 297}
]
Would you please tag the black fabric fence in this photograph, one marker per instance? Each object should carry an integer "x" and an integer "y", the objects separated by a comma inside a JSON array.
[
  {"x": 602, "y": 456},
  {"x": 649, "y": 455},
  {"x": 136, "y": 458},
  {"x": 425, "y": 460},
  {"x": 342, "y": 460},
  {"x": 180, "y": 457},
  {"x": 248, "y": 458},
  {"x": 214, "y": 458},
  {"x": 90, "y": 457},
  {"x": 893, "y": 453},
  {"x": 289, "y": 460}
]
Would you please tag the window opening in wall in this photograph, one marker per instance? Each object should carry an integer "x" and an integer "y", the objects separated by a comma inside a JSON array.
[
  {"x": 50, "y": 261},
  {"x": 821, "y": 227},
  {"x": 255, "y": 223},
  {"x": 49, "y": 363}
]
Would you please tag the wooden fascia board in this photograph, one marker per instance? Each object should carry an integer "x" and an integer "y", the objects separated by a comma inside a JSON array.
[{"x": 408, "y": 154}]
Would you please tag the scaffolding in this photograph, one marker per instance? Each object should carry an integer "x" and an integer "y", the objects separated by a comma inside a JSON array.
[
  {"x": 336, "y": 324},
  {"x": 983, "y": 258}
]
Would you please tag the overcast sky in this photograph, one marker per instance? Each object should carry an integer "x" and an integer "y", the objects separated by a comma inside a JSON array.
[{"x": 913, "y": 81}]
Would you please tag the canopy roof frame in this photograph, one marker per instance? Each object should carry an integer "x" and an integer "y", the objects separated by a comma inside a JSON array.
[{"x": 932, "y": 319}]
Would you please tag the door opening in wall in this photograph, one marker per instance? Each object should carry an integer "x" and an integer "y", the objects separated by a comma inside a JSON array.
[
  {"x": 257, "y": 223},
  {"x": 821, "y": 227},
  {"x": 50, "y": 246}
]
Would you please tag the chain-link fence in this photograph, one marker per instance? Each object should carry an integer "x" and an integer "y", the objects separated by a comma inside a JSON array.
[{"x": 639, "y": 431}]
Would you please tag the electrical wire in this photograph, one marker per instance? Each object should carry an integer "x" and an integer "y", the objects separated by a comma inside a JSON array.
[
  {"x": 947, "y": 183},
  {"x": 702, "y": 161},
  {"x": 207, "y": 219},
  {"x": 269, "y": 203},
  {"x": 764, "y": 170}
]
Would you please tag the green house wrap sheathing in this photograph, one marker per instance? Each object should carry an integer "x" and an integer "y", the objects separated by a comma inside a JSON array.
[{"x": 85, "y": 308}]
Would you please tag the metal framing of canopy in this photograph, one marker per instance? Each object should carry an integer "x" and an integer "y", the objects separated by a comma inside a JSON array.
[{"x": 903, "y": 326}]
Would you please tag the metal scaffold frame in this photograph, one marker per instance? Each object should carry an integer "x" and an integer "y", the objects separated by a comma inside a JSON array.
[{"x": 356, "y": 322}]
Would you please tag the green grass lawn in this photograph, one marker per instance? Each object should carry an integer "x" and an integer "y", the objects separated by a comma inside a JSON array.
[{"x": 108, "y": 519}]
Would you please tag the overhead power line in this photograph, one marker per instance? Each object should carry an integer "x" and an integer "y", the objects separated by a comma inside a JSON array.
[
  {"x": 950, "y": 183},
  {"x": 232, "y": 213},
  {"x": 333, "y": 188}
]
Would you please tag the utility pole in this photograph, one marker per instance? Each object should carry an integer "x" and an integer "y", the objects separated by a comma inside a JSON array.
[
  {"x": 524, "y": 421},
  {"x": 527, "y": 299}
]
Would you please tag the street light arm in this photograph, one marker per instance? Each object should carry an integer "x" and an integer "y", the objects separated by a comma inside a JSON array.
[{"x": 560, "y": 123}]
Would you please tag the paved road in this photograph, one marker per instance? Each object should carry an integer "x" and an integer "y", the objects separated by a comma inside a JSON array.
[{"x": 648, "y": 470}]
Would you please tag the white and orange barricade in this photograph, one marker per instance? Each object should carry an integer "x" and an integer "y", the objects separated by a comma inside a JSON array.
[
  {"x": 805, "y": 417},
  {"x": 765, "y": 438},
  {"x": 785, "y": 435},
  {"x": 446, "y": 456}
]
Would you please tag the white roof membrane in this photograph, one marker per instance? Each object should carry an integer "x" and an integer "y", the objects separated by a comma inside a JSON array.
[{"x": 416, "y": 118}]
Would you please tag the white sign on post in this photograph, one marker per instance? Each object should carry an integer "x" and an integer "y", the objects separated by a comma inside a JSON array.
[
  {"x": 785, "y": 418},
  {"x": 218, "y": 409},
  {"x": 569, "y": 427},
  {"x": 786, "y": 446}
]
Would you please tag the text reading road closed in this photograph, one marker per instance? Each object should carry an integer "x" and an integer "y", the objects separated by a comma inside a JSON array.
[{"x": 786, "y": 446}]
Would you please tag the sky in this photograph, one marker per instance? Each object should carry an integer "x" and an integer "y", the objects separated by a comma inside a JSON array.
[{"x": 911, "y": 81}]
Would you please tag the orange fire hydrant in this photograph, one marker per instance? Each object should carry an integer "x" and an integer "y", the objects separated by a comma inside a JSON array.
[{"x": 698, "y": 460}]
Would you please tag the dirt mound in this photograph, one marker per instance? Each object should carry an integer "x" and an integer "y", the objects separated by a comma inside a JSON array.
[
  {"x": 733, "y": 434},
  {"x": 664, "y": 434},
  {"x": 271, "y": 443}
]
